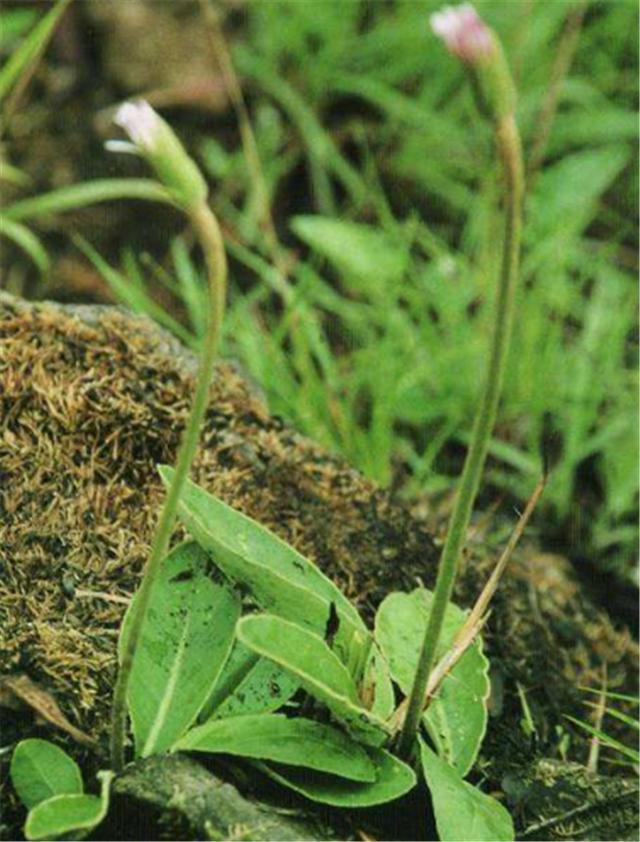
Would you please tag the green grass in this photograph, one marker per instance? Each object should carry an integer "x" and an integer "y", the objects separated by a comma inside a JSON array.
[
  {"x": 629, "y": 753},
  {"x": 384, "y": 192},
  {"x": 380, "y": 352}
]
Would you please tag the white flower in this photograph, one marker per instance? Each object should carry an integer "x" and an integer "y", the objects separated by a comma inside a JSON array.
[
  {"x": 140, "y": 122},
  {"x": 156, "y": 141},
  {"x": 464, "y": 33}
]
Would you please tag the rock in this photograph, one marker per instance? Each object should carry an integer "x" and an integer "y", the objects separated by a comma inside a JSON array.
[
  {"x": 557, "y": 800},
  {"x": 178, "y": 795},
  {"x": 177, "y": 66}
]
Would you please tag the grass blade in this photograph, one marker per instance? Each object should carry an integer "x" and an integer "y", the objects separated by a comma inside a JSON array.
[
  {"x": 89, "y": 193},
  {"x": 30, "y": 49},
  {"x": 132, "y": 294},
  {"x": 606, "y": 740},
  {"x": 27, "y": 241}
]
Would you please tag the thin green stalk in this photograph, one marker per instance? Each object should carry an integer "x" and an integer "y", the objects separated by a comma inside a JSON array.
[
  {"x": 18, "y": 69},
  {"x": 89, "y": 193},
  {"x": 210, "y": 237},
  {"x": 562, "y": 65},
  {"x": 510, "y": 153}
]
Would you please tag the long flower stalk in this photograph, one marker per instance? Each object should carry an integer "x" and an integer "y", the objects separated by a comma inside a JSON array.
[
  {"x": 476, "y": 45},
  {"x": 154, "y": 140}
]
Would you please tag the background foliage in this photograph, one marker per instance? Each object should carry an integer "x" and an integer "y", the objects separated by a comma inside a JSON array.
[{"x": 366, "y": 317}]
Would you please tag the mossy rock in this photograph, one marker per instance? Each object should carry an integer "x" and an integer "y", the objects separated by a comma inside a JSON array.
[{"x": 94, "y": 398}]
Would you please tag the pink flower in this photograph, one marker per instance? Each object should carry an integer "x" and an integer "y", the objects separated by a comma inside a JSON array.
[{"x": 464, "y": 33}]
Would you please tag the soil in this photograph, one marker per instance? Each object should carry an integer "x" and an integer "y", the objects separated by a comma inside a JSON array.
[{"x": 93, "y": 398}]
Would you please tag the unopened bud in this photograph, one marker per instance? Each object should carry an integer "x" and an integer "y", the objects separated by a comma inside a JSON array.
[
  {"x": 463, "y": 31},
  {"x": 156, "y": 141},
  {"x": 469, "y": 38}
]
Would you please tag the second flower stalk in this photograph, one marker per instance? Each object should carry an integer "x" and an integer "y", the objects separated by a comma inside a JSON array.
[{"x": 468, "y": 38}]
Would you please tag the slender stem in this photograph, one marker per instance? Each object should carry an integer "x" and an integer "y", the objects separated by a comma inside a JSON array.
[
  {"x": 210, "y": 238},
  {"x": 279, "y": 257},
  {"x": 482, "y": 603},
  {"x": 477, "y": 617},
  {"x": 564, "y": 57},
  {"x": 247, "y": 135},
  {"x": 594, "y": 745},
  {"x": 510, "y": 153},
  {"x": 88, "y": 193}
]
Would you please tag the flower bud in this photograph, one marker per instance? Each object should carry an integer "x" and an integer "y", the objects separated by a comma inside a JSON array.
[
  {"x": 468, "y": 38},
  {"x": 464, "y": 33},
  {"x": 156, "y": 141}
]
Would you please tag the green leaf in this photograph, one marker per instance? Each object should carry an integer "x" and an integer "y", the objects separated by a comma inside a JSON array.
[
  {"x": 264, "y": 688},
  {"x": 12, "y": 175},
  {"x": 39, "y": 770},
  {"x": 297, "y": 650},
  {"x": 230, "y": 532},
  {"x": 186, "y": 638},
  {"x": 281, "y": 580},
  {"x": 556, "y": 208},
  {"x": 69, "y": 814},
  {"x": 306, "y": 656},
  {"x": 80, "y": 195},
  {"x": 131, "y": 294},
  {"x": 281, "y": 597},
  {"x": 377, "y": 685},
  {"x": 13, "y": 25},
  {"x": 359, "y": 252},
  {"x": 463, "y": 813},
  {"x": 238, "y": 665},
  {"x": 393, "y": 779},
  {"x": 456, "y": 718},
  {"x": 27, "y": 241},
  {"x": 29, "y": 50},
  {"x": 272, "y": 736}
]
